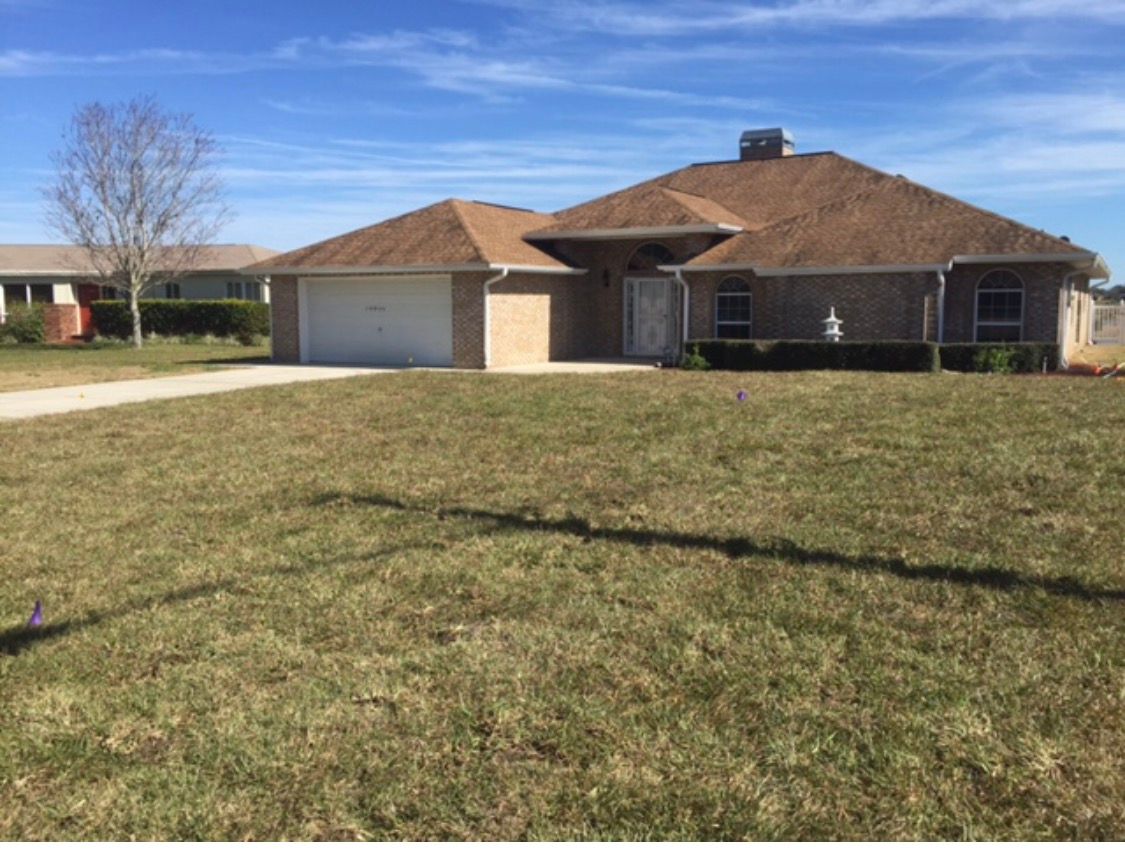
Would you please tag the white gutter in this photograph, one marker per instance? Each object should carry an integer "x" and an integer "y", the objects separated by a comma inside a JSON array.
[
  {"x": 410, "y": 268},
  {"x": 1092, "y": 260},
  {"x": 627, "y": 233},
  {"x": 487, "y": 315}
]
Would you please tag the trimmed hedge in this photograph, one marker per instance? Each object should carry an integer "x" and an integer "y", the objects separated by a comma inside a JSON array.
[
  {"x": 794, "y": 355},
  {"x": 23, "y": 325},
  {"x": 999, "y": 356},
  {"x": 240, "y": 319}
]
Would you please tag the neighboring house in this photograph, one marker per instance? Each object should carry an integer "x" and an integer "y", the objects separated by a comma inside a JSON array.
[
  {"x": 61, "y": 275},
  {"x": 760, "y": 247}
]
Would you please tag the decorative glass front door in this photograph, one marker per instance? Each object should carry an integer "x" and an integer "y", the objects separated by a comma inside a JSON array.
[{"x": 650, "y": 317}]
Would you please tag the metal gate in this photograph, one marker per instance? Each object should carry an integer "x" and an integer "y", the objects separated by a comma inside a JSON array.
[{"x": 1107, "y": 325}]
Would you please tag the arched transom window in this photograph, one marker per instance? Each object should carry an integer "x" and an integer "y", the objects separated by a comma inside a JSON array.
[
  {"x": 999, "y": 307},
  {"x": 732, "y": 309},
  {"x": 648, "y": 257}
]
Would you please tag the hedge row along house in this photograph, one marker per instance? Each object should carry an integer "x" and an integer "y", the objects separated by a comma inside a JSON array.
[
  {"x": 60, "y": 278},
  {"x": 760, "y": 247}
]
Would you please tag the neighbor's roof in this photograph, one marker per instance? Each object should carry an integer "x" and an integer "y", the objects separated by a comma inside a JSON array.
[
  {"x": 449, "y": 234},
  {"x": 62, "y": 260}
]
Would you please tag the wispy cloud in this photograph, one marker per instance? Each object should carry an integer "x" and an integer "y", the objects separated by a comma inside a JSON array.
[{"x": 664, "y": 18}]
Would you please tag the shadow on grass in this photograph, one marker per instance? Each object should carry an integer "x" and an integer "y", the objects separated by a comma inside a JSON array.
[
  {"x": 739, "y": 547},
  {"x": 16, "y": 640}
]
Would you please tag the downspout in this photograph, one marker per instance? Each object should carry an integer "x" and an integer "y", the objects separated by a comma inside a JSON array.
[
  {"x": 940, "y": 322},
  {"x": 488, "y": 317},
  {"x": 678, "y": 275},
  {"x": 1064, "y": 326}
]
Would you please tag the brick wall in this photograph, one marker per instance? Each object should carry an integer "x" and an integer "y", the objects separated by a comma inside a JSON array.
[
  {"x": 468, "y": 320},
  {"x": 538, "y": 317},
  {"x": 872, "y": 306},
  {"x": 1042, "y": 292},
  {"x": 285, "y": 337},
  {"x": 600, "y": 302},
  {"x": 60, "y": 322}
]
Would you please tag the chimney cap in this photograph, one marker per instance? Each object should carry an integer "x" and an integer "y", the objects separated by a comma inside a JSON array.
[
  {"x": 776, "y": 134},
  {"x": 765, "y": 144}
]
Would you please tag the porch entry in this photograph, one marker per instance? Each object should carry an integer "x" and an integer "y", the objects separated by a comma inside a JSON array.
[{"x": 652, "y": 320}]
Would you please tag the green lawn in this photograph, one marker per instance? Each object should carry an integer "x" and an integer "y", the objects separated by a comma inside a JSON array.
[
  {"x": 28, "y": 367},
  {"x": 454, "y": 606}
]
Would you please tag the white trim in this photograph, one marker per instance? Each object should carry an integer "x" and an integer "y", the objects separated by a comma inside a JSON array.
[
  {"x": 1095, "y": 263},
  {"x": 303, "y": 320},
  {"x": 627, "y": 233},
  {"x": 438, "y": 269},
  {"x": 1021, "y": 290}
]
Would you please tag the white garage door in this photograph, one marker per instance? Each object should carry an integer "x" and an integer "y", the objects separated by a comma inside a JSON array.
[{"x": 396, "y": 321}]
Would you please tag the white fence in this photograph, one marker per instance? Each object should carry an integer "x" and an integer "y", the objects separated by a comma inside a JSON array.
[{"x": 1107, "y": 326}]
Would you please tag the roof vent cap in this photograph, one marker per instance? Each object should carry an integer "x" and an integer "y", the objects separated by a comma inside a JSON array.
[{"x": 765, "y": 144}]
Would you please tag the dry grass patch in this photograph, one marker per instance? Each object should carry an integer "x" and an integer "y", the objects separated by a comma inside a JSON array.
[
  {"x": 30, "y": 367},
  {"x": 481, "y": 606}
]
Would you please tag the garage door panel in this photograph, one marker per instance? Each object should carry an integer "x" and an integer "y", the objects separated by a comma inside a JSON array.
[{"x": 379, "y": 321}]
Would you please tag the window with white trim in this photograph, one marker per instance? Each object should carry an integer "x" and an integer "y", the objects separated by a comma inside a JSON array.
[
  {"x": 999, "y": 307},
  {"x": 732, "y": 309}
]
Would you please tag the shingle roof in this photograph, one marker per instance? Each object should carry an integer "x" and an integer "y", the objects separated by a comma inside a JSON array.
[
  {"x": 449, "y": 233},
  {"x": 645, "y": 206},
  {"x": 814, "y": 210},
  {"x": 897, "y": 222},
  {"x": 61, "y": 260}
]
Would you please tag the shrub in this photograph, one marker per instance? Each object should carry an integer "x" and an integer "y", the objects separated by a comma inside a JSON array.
[
  {"x": 1009, "y": 357},
  {"x": 24, "y": 325},
  {"x": 796, "y": 355},
  {"x": 695, "y": 361},
  {"x": 240, "y": 319}
]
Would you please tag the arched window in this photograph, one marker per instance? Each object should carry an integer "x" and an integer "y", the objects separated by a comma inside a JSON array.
[
  {"x": 999, "y": 307},
  {"x": 732, "y": 309},
  {"x": 649, "y": 257}
]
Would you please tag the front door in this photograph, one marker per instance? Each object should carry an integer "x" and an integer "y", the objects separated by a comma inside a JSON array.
[
  {"x": 87, "y": 294},
  {"x": 650, "y": 319}
]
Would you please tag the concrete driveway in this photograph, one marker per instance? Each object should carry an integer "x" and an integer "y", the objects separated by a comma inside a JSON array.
[{"x": 59, "y": 400}]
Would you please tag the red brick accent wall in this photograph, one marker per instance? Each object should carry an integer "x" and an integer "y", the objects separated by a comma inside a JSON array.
[
  {"x": 872, "y": 306},
  {"x": 60, "y": 322},
  {"x": 285, "y": 337}
]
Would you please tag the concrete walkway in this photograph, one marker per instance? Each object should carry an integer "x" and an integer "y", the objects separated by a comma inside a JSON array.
[{"x": 59, "y": 400}]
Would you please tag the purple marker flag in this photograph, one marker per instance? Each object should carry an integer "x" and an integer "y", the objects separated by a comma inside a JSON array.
[
  {"x": 36, "y": 615},
  {"x": 741, "y": 395}
]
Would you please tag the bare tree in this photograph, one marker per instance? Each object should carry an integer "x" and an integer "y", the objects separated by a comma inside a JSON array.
[{"x": 137, "y": 191}]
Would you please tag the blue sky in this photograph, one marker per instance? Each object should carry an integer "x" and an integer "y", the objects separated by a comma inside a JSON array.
[{"x": 333, "y": 115}]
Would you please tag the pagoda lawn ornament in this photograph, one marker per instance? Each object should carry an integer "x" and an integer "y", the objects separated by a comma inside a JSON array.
[{"x": 832, "y": 323}]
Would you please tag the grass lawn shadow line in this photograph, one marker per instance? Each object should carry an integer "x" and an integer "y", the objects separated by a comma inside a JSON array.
[
  {"x": 17, "y": 639},
  {"x": 995, "y": 578}
]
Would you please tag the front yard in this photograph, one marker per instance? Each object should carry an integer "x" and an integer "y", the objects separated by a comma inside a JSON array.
[
  {"x": 483, "y": 606},
  {"x": 29, "y": 367}
]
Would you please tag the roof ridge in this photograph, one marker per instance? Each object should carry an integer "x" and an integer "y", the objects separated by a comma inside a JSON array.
[
  {"x": 456, "y": 204},
  {"x": 816, "y": 211}
]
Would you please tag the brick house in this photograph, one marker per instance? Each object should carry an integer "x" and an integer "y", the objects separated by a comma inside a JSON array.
[
  {"x": 759, "y": 247},
  {"x": 61, "y": 280}
]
